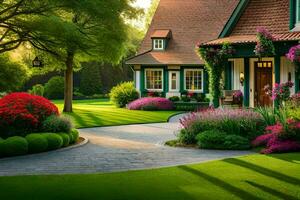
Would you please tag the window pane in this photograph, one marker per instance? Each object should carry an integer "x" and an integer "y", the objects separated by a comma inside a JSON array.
[
  {"x": 193, "y": 80},
  {"x": 153, "y": 79}
]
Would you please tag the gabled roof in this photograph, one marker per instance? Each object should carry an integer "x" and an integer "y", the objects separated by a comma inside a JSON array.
[
  {"x": 274, "y": 15},
  {"x": 191, "y": 22}
]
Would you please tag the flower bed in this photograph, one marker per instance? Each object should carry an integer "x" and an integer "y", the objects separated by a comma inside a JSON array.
[
  {"x": 31, "y": 124},
  {"x": 280, "y": 138},
  {"x": 231, "y": 122},
  {"x": 151, "y": 103}
]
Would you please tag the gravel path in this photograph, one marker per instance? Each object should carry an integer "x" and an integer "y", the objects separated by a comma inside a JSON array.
[{"x": 118, "y": 148}]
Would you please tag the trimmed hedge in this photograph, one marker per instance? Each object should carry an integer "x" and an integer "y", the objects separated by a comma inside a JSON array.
[
  {"x": 75, "y": 136},
  {"x": 123, "y": 94},
  {"x": 15, "y": 146},
  {"x": 1, "y": 147},
  {"x": 55, "y": 141},
  {"x": 36, "y": 143},
  {"x": 66, "y": 139}
]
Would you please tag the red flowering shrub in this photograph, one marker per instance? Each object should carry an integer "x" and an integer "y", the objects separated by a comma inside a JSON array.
[
  {"x": 21, "y": 113},
  {"x": 280, "y": 138}
]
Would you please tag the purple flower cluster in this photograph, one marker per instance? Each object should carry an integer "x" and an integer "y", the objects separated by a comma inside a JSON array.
[
  {"x": 218, "y": 115},
  {"x": 294, "y": 54},
  {"x": 265, "y": 33},
  {"x": 158, "y": 103},
  {"x": 264, "y": 46},
  {"x": 238, "y": 96}
]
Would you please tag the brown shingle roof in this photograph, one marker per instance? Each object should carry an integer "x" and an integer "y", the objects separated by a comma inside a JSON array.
[
  {"x": 271, "y": 14},
  {"x": 161, "y": 34},
  {"x": 191, "y": 21}
]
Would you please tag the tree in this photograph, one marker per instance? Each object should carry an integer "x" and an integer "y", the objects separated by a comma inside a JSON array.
[
  {"x": 12, "y": 74},
  {"x": 90, "y": 81},
  {"x": 150, "y": 13},
  {"x": 81, "y": 31}
]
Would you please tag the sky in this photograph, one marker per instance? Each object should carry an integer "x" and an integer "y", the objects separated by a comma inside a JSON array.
[{"x": 145, "y": 4}]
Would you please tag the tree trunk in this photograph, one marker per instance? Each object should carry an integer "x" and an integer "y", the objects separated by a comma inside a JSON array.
[{"x": 68, "y": 95}]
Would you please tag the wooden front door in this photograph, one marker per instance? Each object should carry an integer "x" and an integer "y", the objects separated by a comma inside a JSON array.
[{"x": 263, "y": 77}]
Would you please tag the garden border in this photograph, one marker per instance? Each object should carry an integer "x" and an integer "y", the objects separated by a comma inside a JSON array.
[{"x": 84, "y": 142}]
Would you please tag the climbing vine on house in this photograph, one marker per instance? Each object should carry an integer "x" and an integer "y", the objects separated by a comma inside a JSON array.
[
  {"x": 216, "y": 59},
  {"x": 264, "y": 46}
]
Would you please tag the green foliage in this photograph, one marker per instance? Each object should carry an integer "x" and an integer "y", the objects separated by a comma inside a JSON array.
[
  {"x": 66, "y": 139},
  {"x": 36, "y": 143},
  {"x": 75, "y": 136},
  {"x": 215, "y": 63},
  {"x": 174, "y": 98},
  {"x": 123, "y": 94},
  {"x": 14, "y": 146},
  {"x": 187, "y": 137},
  {"x": 54, "y": 88},
  {"x": 55, "y": 141},
  {"x": 215, "y": 139},
  {"x": 90, "y": 79},
  {"x": 12, "y": 74},
  {"x": 1, "y": 147},
  {"x": 57, "y": 124},
  {"x": 235, "y": 142},
  {"x": 37, "y": 90},
  {"x": 185, "y": 98},
  {"x": 268, "y": 114},
  {"x": 150, "y": 13},
  {"x": 211, "y": 139}
]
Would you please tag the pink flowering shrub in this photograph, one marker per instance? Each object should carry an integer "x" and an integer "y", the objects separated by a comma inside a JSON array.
[
  {"x": 264, "y": 46},
  {"x": 238, "y": 97},
  {"x": 151, "y": 103},
  {"x": 280, "y": 92},
  {"x": 279, "y": 138},
  {"x": 294, "y": 56},
  {"x": 246, "y": 123}
]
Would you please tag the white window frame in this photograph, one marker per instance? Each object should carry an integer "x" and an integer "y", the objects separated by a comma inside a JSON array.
[
  {"x": 157, "y": 42},
  {"x": 177, "y": 81},
  {"x": 162, "y": 74},
  {"x": 202, "y": 80}
]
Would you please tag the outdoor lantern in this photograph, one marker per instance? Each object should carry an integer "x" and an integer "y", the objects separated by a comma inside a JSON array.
[
  {"x": 242, "y": 78},
  {"x": 36, "y": 62}
]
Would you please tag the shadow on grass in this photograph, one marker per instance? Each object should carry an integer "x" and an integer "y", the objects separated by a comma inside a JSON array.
[
  {"x": 79, "y": 121},
  {"x": 264, "y": 171},
  {"x": 220, "y": 183},
  {"x": 271, "y": 191},
  {"x": 289, "y": 157}
]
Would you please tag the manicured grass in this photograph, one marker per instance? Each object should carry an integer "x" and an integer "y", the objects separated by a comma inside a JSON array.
[
  {"x": 101, "y": 112},
  {"x": 249, "y": 177}
]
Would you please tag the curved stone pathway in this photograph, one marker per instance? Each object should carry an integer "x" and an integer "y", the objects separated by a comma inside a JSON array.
[{"x": 118, "y": 148}]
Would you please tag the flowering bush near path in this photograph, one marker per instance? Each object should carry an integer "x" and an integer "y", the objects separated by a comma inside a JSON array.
[
  {"x": 31, "y": 124},
  {"x": 151, "y": 103}
]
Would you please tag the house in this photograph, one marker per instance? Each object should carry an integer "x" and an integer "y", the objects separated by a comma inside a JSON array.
[
  {"x": 247, "y": 72},
  {"x": 167, "y": 61}
]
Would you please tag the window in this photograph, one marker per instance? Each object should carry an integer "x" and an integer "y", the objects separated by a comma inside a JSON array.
[
  {"x": 194, "y": 80},
  {"x": 154, "y": 79},
  {"x": 158, "y": 44}
]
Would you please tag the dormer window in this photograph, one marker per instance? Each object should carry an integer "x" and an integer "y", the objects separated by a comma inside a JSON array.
[
  {"x": 160, "y": 39},
  {"x": 158, "y": 44}
]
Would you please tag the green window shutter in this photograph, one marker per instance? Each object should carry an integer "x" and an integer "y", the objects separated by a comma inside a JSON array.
[
  {"x": 247, "y": 82},
  {"x": 228, "y": 75}
]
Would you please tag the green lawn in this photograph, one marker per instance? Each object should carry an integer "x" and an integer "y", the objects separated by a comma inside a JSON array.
[
  {"x": 249, "y": 177},
  {"x": 101, "y": 112}
]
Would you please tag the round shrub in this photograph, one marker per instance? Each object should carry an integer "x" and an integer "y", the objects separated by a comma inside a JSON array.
[
  {"x": 36, "y": 143},
  {"x": 153, "y": 103},
  {"x": 15, "y": 146},
  {"x": 123, "y": 93},
  {"x": 38, "y": 90},
  {"x": 55, "y": 141},
  {"x": 187, "y": 137},
  {"x": 54, "y": 88},
  {"x": 75, "y": 135},
  {"x": 22, "y": 113},
  {"x": 236, "y": 142},
  {"x": 56, "y": 124},
  {"x": 212, "y": 139},
  {"x": 66, "y": 139}
]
